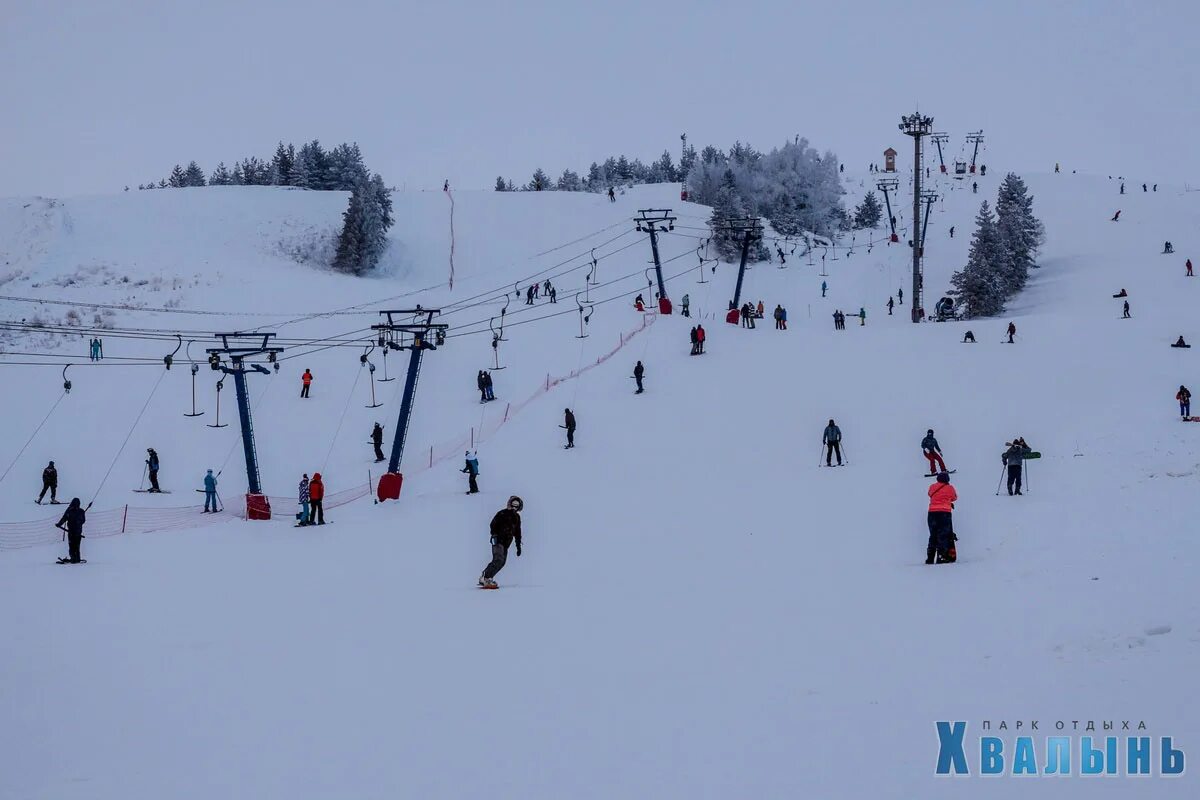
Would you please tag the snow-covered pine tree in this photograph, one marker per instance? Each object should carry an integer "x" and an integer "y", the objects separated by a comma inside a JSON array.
[
  {"x": 364, "y": 229},
  {"x": 193, "y": 175},
  {"x": 569, "y": 182},
  {"x": 868, "y": 213},
  {"x": 500, "y": 185},
  {"x": 178, "y": 178},
  {"x": 539, "y": 182},
  {"x": 283, "y": 162},
  {"x": 785, "y": 216},
  {"x": 383, "y": 196},
  {"x": 726, "y": 206},
  {"x": 1021, "y": 231},
  {"x": 980, "y": 285},
  {"x": 236, "y": 178},
  {"x": 220, "y": 176},
  {"x": 162, "y": 184}
]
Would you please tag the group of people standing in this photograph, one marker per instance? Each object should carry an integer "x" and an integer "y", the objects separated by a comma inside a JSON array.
[
  {"x": 543, "y": 289},
  {"x": 483, "y": 382},
  {"x": 698, "y": 337},
  {"x": 839, "y": 319}
]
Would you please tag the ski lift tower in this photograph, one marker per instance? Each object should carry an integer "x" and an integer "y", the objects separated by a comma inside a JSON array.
[
  {"x": 751, "y": 230},
  {"x": 940, "y": 139},
  {"x": 238, "y": 347},
  {"x": 916, "y": 126},
  {"x": 417, "y": 342},
  {"x": 888, "y": 185},
  {"x": 975, "y": 138},
  {"x": 655, "y": 221}
]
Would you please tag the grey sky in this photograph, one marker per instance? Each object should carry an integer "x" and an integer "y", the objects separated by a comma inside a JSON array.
[{"x": 99, "y": 94}]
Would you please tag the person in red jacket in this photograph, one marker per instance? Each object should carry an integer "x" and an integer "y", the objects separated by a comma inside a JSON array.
[
  {"x": 316, "y": 499},
  {"x": 305, "y": 379},
  {"x": 700, "y": 337},
  {"x": 941, "y": 524}
]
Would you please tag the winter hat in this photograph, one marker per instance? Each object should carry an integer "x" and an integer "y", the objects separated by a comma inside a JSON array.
[
  {"x": 943, "y": 477},
  {"x": 929, "y": 432},
  {"x": 210, "y": 472},
  {"x": 516, "y": 503},
  {"x": 52, "y": 463}
]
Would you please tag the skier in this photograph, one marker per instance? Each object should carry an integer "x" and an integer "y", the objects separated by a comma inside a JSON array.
[
  {"x": 446, "y": 185},
  {"x": 1185, "y": 401},
  {"x": 472, "y": 469},
  {"x": 1012, "y": 331},
  {"x": 941, "y": 524},
  {"x": 546, "y": 287},
  {"x": 569, "y": 419},
  {"x": 1122, "y": 187},
  {"x": 487, "y": 386},
  {"x": 700, "y": 337},
  {"x": 933, "y": 453},
  {"x": 1117, "y": 216},
  {"x": 95, "y": 350},
  {"x": 900, "y": 295},
  {"x": 951, "y": 231},
  {"x": 974, "y": 187},
  {"x": 612, "y": 196},
  {"x": 49, "y": 484},
  {"x": 553, "y": 294},
  {"x": 758, "y": 312},
  {"x": 969, "y": 337},
  {"x": 505, "y": 531},
  {"x": 1055, "y": 167},
  {"x": 1143, "y": 188},
  {"x": 891, "y": 303},
  {"x": 1189, "y": 268},
  {"x": 481, "y": 384},
  {"x": 695, "y": 342},
  {"x": 377, "y": 440},
  {"x": 638, "y": 372},
  {"x": 529, "y": 296},
  {"x": 1180, "y": 343},
  {"x": 73, "y": 518},
  {"x": 862, "y": 316},
  {"x": 305, "y": 499},
  {"x": 832, "y": 439},
  {"x": 152, "y": 465},
  {"x": 306, "y": 381},
  {"x": 316, "y": 496},
  {"x": 1168, "y": 247},
  {"x": 1013, "y": 457},
  {"x": 744, "y": 313},
  {"x": 778, "y": 316},
  {"x": 210, "y": 493},
  {"x": 783, "y": 318},
  {"x": 824, "y": 287},
  {"x": 683, "y": 307},
  {"x": 536, "y": 289},
  {"x": 1126, "y": 314},
  {"x": 782, "y": 258}
]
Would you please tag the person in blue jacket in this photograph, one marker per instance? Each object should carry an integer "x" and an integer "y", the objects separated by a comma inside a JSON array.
[
  {"x": 210, "y": 493},
  {"x": 832, "y": 439},
  {"x": 472, "y": 470}
]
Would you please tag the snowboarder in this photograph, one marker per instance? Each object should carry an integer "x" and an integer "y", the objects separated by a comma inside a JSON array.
[
  {"x": 832, "y": 439},
  {"x": 472, "y": 469},
  {"x": 377, "y": 441},
  {"x": 862, "y": 316},
  {"x": 304, "y": 498},
  {"x": 942, "y": 495},
  {"x": 316, "y": 496},
  {"x": 210, "y": 493},
  {"x": 638, "y": 372},
  {"x": 700, "y": 337},
  {"x": 1121, "y": 294},
  {"x": 951, "y": 231},
  {"x": 1185, "y": 401},
  {"x": 1180, "y": 343},
  {"x": 569, "y": 419},
  {"x": 891, "y": 304},
  {"x": 305, "y": 381},
  {"x": 489, "y": 394},
  {"x": 1012, "y": 331},
  {"x": 684, "y": 307},
  {"x": 969, "y": 337},
  {"x": 1117, "y": 216},
  {"x": 824, "y": 288},
  {"x": 152, "y": 465},
  {"x": 695, "y": 342},
  {"x": 1013, "y": 457},
  {"x": 1125, "y": 315},
  {"x": 639, "y": 303},
  {"x": 481, "y": 384},
  {"x": 933, "y": 453},
  {"x": 505, "y": 531},
  {"x": 1189, "y": 268},
  {"x": 49, "y": 484},
  {"x": 73, "y": 519}
]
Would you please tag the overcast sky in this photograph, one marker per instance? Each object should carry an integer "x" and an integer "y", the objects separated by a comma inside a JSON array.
[{"x": 99, "y": 94}]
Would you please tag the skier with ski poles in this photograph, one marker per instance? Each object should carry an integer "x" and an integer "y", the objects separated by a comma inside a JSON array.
[
  {"x": 505, "y": 531},
  {"x": 638, "y": 372},
  {"x": 1012, "y": 331},
  {"x": 942, "y": 495},
  {"x": 832, "y": 439},
  {"x": 210, "y": 493},
  {"x": 71, "y": 525},
  {"x": 1013, "y": 458},
  {"x": 152, "y": 464},
  {"x": 569, "y": 419},
  {"x": 471, "y": 468},
  {"x": 49, "y": 484},
  {"x": 933, "y": 453},
  {"x": 377, "y": 441}
]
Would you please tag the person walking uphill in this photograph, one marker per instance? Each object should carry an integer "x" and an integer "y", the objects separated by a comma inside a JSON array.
[
  {"x": 933, "y": 452},
  {"x": 1013, "y": 458},
  {"x": 305, "y": 380},
  {"x": 832, "y": 439},
  {"x": 569, "y": 419},
  {"x": 152, "y": 465},
  {"x": 942, "y": 495},
  {"x": 72, "y": 524},
  {"x": 50, "y": 483},
  {"x": 471, "y": 467},
  {"x": 1183, "y": 396},
  {"x": 210, "y": 493},
  {"x": 505, "y": 531},
  {"x": 377, "y": 441}
]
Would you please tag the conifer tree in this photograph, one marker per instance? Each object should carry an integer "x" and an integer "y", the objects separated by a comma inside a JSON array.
[
  {"x": 539, "y": 182},
  {"x": 500, "y": 185},
  {"x": 220, "y": 176},
  {"x": 178, "y": 178},
  {"x": 868, "y": 213},
  {"x": 1021, "y": 231},
  {"x": 980, "y": 285},
  {"x": 193, "y": 175},
  {"x": 284, "y": 162}
]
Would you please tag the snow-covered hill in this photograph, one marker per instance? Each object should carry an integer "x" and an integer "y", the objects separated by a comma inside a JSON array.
[{"x": 700, "y": 611}]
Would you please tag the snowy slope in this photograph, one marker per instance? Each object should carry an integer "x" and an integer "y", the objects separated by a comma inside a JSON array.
[{"x": 699, "y": 611}]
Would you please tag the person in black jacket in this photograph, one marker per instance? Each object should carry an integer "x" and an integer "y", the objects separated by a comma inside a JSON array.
[
  {"x": 377, "y": 440},
  {"x": 152, "y": 464},
  {"x": 569, "y": 419},
  {"x": 73, "y": 518},
  {"x": 505, "y": 530},
  {"x": 638, "y": 372},
  {"x": 832, "y": 439},
  {"x": 49, "y": 484}
]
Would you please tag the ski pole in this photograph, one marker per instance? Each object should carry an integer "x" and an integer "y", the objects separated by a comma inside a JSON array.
[
  {"x": 1001, "y": 483},
  {"x": 1026, "y": 477},
  {"x": 845, "y": 455},
  {"x": 821, "y": 454},
  {"x": 142, "y": 483}
]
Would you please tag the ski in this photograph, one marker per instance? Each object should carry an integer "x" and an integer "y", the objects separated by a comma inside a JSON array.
[
  {"x": 151, "y": 491},
  {"x": 948, "y": 472},
  {"x": 69, "y": 561},
  {"x": 1191, "y": 419},
  {"x": 50, "y": 503}
]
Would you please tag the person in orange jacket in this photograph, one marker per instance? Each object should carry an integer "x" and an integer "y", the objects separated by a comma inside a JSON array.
[
  {"x": 941, "y": 524},
  {"x": 316, "y": 499},
  {"x": 305, "y": 379},
  {"x": 700, "y": 337}
]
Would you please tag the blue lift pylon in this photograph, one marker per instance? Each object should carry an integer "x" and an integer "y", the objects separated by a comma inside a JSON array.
[{"x": 420, "y": 331}]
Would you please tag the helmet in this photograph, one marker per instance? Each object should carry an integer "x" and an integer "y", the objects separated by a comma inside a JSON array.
[
  {"x": 943, "y": 477},
  {"x": 516, "y": 503}
]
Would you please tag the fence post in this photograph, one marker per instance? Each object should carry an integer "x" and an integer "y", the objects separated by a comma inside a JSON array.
[
  {"x": 506, "y": 408},
  {"x": 430, "y": 456},
  {"x": 124, "y": 517},
  {"x": 547, "y": 381},
  {"x": 472, "y": 437}
]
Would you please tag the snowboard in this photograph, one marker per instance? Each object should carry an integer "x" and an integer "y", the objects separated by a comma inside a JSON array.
[
  {"x": 934, "y": 474},
  {"x": 489, "y": 587},
  {"x": 1191, "y": 419},
  {"x": 68, "y": 561},
  {"x": 50, "y": 503},
  {"x": 147, "y": 491}
]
